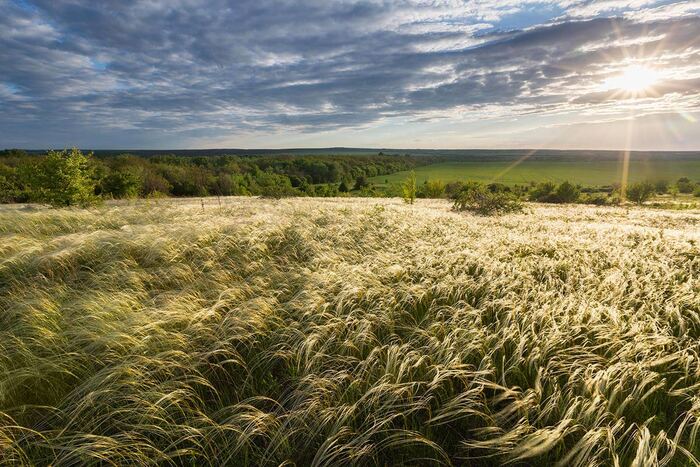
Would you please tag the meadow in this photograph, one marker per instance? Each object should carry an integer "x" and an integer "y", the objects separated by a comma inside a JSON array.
[
  {"x": 348, "y": 332},
  {"x": 587, "y": 173}
]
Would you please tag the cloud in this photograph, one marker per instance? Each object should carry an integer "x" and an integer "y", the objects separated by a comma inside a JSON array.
[{"x": 160, "y": 73}]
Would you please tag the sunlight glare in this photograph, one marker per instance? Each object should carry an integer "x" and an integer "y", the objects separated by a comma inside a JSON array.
[{"x": 634, "y": 79}]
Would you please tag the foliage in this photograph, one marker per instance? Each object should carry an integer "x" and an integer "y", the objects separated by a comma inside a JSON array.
[
  {"x": 685, "y": 186},
  {"x": 431, "y": 188},
  {"x": 640, "y": 192},
  {"x": 567, "y": 193},
  {"x": 408, "y": 188},
  {"x": 597, "y": 199},
  {"x": 361, "y": 182},
  {"x": 62, "y": 178},
  {"x": 121, "y": 184},
  {"x": 548, "y": 192},
  {"x": 126, "y": 175},
  {"x": 661, "y": 186},
  {"x": 543, "y": 192},
  {"x": 476, "y": 198}
]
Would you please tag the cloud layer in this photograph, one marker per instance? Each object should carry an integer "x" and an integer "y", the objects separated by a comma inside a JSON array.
[{"x": 174, "y": 73}]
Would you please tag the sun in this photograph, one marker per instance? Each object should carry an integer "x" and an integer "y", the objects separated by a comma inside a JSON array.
[{"x": 634, "y": 80}]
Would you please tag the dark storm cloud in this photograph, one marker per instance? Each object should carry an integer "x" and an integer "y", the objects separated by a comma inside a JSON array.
[{"x": 161, "y": 72}]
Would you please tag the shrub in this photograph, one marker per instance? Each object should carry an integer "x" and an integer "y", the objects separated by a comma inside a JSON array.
[
  {"x": 498, "y": 187},
  {"x": 452, "y": 188},
  {"x": 433, "y": 189},
  {"x": 408, "y": 188},
  {"x": 478, "y": 199},
  {"x": 640, "y": 192},
  {"x": 543, "y": 192},
  {"x": 598, "y": 199},
  {"x": 567, "y": 193},
  {"x": 696, "y": 193},
  {"x": 661, "y": 186},
  {"x": 62, "y": 178},
  {"x": 548, "y": 192},
  {"x": 685, "y": 185}
]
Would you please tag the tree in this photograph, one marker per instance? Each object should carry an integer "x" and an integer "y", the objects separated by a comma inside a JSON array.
[
  {"x": 62, "y": 178},
  {"x": 8, "y": 189},
  {"x": 640, "y": 192},
  {"x": 408, "y": 188},
  {"x": 121, "y": 184},
  {"x": 343, "y": 187},
  {"x": 361, "y": 182}
]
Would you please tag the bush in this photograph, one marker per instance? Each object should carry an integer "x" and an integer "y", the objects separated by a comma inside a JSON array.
[
  {"x": 640, "y": 192},
  {"x": 548, "y": 192},
  {"x": 408, "y": 188},
  {"x": 433, "y": 189},
  {"x": 543, "y": 192},
  {"x": 478, "y": 199},
  {"x": 567, "y": 193},
  {"x": 685, "y": 185},
  {"x": 598, "y": 199},
  {"x": 661, "y": 187},
  {"x": 62, "y": 178}
]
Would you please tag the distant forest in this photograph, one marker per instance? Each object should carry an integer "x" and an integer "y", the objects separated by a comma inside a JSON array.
[{"x": 115, "y": 176}]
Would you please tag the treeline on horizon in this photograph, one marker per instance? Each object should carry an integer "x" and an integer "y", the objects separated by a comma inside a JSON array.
[
  {"x": 71, "y": 177},
  {"x": 26, "y": 177}
]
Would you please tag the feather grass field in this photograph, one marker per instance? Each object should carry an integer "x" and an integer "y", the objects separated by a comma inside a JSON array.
[{"x": 348, "y": 332}]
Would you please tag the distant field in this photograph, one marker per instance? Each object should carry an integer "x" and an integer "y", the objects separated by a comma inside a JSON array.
[{"x": 594, "y": 173}]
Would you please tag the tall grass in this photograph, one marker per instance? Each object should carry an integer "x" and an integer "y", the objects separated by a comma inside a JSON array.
[{"x": 317, "y": 332}]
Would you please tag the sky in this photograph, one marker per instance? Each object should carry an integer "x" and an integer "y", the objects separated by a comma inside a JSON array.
[{"x": 608, "y": 74}]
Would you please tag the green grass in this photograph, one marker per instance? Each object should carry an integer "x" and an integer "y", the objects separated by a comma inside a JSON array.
[
  {"x": 348, "y": 331},
  {"x": 585, "y": 173}
]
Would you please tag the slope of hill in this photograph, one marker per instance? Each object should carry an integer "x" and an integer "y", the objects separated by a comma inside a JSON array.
[{"x": 327, "y": 332}]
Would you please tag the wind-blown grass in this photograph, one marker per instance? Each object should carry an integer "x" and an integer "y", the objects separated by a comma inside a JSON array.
[{"x": 333, "y": 332}]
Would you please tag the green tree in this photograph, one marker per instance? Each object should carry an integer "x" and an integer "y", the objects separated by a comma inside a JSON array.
[
  {"x": 361, "y": 182},
  {"x": 62, "y": 178},
  {"x": 121, "y": 184},
  {"x": 640, "y": 192}
]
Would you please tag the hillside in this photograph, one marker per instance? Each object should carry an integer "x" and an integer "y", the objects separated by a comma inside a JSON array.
[{"x": 338, "y": 331}]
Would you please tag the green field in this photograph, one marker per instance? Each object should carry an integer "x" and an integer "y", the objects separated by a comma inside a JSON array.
[{"x": 595, "y": 173}]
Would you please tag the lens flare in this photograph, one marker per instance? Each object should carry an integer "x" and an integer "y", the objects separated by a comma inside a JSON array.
[{"x": 635, "y": 79}]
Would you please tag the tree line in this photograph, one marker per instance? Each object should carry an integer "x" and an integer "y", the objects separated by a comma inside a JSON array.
[{"x": 68, "y": 177}]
